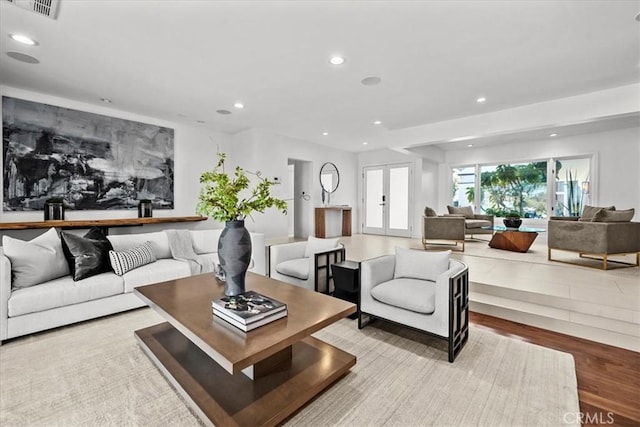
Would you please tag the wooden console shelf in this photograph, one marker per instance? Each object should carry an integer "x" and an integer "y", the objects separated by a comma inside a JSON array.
[
  {"x": 321, "y": 220},
  {"x": 104, "y": 224}
]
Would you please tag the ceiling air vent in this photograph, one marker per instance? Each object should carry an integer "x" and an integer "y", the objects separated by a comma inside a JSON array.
[{"x": 47, "y": 8}]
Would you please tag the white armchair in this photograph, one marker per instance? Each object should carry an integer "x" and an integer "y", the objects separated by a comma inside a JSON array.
[
  {"x": 306, "y": 264},
  {"x": 426, "y": 291}
]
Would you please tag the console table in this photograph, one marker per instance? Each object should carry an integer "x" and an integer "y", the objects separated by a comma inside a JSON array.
[
  {"x": 103, "y": 224},
  {"x": 321, "y": 219}
]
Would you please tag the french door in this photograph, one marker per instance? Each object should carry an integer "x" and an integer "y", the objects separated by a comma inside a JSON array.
[{"x": 387, "y": 201}]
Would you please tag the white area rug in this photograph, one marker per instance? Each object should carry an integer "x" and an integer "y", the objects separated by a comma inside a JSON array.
[{"x": 94, "y": 374}]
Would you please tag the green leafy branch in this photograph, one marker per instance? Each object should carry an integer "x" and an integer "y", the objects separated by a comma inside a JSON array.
[{"x": 220, "y": 195}]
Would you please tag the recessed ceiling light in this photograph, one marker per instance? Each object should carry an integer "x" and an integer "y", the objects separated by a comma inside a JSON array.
[
  {"x": 325, "y": 133},
  {"x": 377, "y": 122},
  {"x": 371, "y": 81},
  {"x": 462, "y": 138},
  {"x": 365, "y": 143},
  {"x": 336, "y": 60},
  {"x": 223, "y": 112},
  {"x": 481, "y": 100},
  {"x": 239, "y": 105},
  {"x": 23, "y": 58},
  {"x": 23, "y": 39},
  {"x": 105, "y": 100},
  {"x": 469, "y": 145},
  {"x": 553, "y": 134}
]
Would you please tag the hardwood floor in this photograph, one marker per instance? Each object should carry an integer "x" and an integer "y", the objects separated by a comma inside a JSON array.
[{"x": 608, "y": 377}]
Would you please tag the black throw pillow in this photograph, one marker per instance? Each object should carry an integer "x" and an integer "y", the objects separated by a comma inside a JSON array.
[{"x": 88, "y": 255}]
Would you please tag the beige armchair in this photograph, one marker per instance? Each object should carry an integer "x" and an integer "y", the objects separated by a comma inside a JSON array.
[
  {"x": 453, "y": 227},
  {"x": 599, "y": 238}
]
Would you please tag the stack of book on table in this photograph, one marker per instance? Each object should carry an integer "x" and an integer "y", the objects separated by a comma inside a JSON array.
[{"x": 248, "y": 310}]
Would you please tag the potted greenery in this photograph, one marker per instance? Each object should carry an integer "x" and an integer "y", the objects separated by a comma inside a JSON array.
[
  {"x": 228, "y": 199},
  {"x": 512, "y": 220}
]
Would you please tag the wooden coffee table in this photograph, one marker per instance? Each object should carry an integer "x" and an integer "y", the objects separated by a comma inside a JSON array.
[
  {"x": 230, "y": 377},
  {"x": 515, "y": 240}
]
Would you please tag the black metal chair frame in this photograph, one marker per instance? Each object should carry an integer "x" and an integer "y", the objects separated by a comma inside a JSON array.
[{"x": 338, "y": 255}]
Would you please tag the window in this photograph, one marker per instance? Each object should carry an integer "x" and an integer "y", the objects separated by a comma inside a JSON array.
[
  {"x": 572, "y": 186},
  {"x": 516, "y": 187},
  {"x": 524, "y": 187},
  {"x": 464, "y": 185}
]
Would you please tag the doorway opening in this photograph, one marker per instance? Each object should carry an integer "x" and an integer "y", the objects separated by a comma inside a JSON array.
[{"x": 299, "y": 213}]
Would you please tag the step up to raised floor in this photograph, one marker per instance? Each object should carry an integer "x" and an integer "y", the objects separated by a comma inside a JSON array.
[{"x": 600, "y": 322}]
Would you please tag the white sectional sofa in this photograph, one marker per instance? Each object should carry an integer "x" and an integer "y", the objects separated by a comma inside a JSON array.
[{"x": 63, "y": 301}]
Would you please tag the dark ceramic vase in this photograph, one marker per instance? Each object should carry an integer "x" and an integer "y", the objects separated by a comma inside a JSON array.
[
  {"x": 145, "y": 209},
  {"x": 234, "y": 252},
  {"x": 512, "y": 222},
  {"x": 53, "y": 211}
]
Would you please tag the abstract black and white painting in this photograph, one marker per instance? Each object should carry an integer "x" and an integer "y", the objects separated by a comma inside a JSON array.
[{"x": 90, "y": 160}]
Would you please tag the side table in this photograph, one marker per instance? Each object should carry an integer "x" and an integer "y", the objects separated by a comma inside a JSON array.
[
  {"x": 513, "y": 239},
  {"x": 346, "y": 282}
]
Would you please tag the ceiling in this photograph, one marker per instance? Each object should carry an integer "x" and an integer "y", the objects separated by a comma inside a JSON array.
[
  {"x": 601, "y": 124},
  {"x": 182, "y": 61}
]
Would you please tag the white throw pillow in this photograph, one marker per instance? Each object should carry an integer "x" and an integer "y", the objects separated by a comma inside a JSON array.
[
  {"x": 124, "y": 261},
  {"x": 315, "y": 245},
  {"x": 36, "y": 261},
  {"x": 158, "y": 239},
  {"x": 422, "y": 265}
]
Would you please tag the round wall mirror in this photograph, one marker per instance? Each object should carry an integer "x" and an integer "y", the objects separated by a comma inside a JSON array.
[{"x": 329, "y": 177}]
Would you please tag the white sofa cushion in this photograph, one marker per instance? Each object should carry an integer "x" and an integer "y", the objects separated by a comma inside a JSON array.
[
  {"x": 159, "y": 271},
  {"x": 416, "y": 264},
  {"x": 298, "y": 268},
  {"x": 409, "y": 294},
  {"x": 205, "y": 241},
  {"x": 159, "y": 242},
  {"x": 36, "y": 261},
  {"x": 63, "y": 292},
  {"x": 315, "y": 245},
  {"x": 124, "y": 261}
]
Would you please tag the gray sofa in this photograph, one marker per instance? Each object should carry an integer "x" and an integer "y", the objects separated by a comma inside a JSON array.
[
  {"x": 454, "y": 227},
  {"x": 599, "y": 233},
  {"x": 62, "y": 301}
]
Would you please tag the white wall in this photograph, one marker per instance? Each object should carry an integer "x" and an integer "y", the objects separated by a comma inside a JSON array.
[
  {"x": 430, "y": 184},
  {"x": 268, "y": 152},
  {"x": 617, "y": 155},
  {"x": 194, "y": 152}
]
